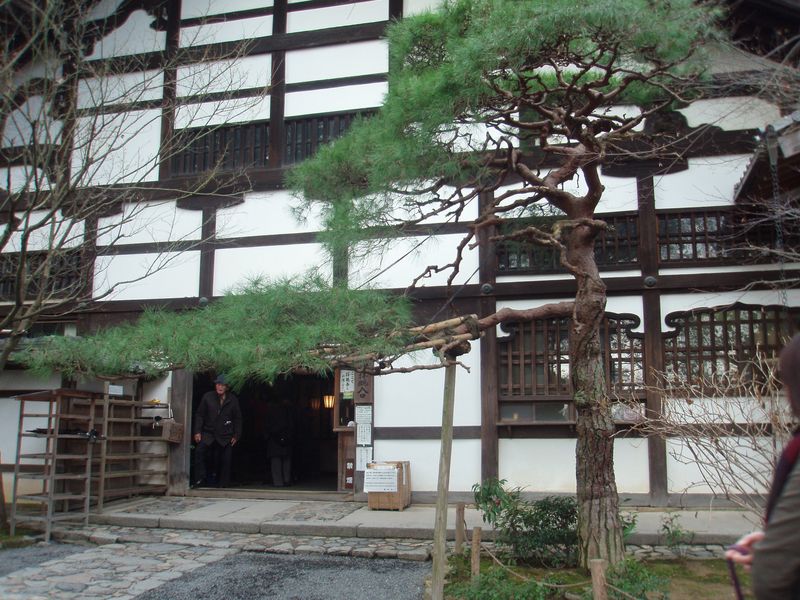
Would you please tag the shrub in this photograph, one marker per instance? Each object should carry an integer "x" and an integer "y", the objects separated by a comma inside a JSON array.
[
  {"x": 635, "y": 579},
  {"x": 540, "y": 532},
  {"x": 495, "y": 584}
]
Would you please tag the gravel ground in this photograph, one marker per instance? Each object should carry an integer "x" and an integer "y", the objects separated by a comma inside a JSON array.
[
  {"x": 249, "y": 576},
  {"x": 13, "y": 559}
]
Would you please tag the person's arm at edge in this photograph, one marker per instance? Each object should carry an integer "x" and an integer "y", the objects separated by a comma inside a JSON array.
[{"x": 776, "y": 559}]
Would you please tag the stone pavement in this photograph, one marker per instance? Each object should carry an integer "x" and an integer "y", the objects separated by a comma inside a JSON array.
[{"x": 139, "y": 545}]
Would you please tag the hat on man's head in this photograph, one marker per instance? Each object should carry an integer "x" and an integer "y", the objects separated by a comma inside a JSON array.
[{"x": 221, "y": 380}]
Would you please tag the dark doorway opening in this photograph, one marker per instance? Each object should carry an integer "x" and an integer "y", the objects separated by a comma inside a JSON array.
[{"x": 312, "y": 444}]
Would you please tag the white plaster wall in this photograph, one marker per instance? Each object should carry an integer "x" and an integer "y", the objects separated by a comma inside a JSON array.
[
  {"x": 331, "y": 62},
  {"x": 19, "y": 128},
  {"x": 233, "y": 267},
  {"x": 685, "y": 476},
  {"x": 406, "y": 258},
  {"x": 263, "y": 213},
  {"x": 337, "y": 16},
  {"x": 681, "y": 302},
  {"x": 731, "y": 114},
  {"x": 15, "y": 179},
  {"x": 150, "y": 222},
  {"x": 224, "y": 76},
  {"x": 707, "y": 182},
  {"x": 142, "y": 276},
  {"x": 548, "y": 465},
  {"x": 415, "y": 399},
  {"x": 135, "y": 36},
  {"x": 353, "y": 97},
  {"x": 226, "y": 31},
  {"x": 116, "y": 89},
  {"x": 117, "y": 148},
  {"x": 158, "y": 389},
  {"x": 619, "y": 196},
  {"x": 413, "y": 7},
  {"x": 44, "y": 232},
  {"x": 465, "y": 462},
  {"x": 725, "y": 410},
  {"x": 565, "y": 276},
  {"x": 224, "y": 112},
  {"x": 191, "y": 9}
]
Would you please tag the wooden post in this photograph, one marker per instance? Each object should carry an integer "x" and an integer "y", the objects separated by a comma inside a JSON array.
[
  {"x": 460, "y": 528},
  {"x": 475, "y": 558},
  {"x": 597, "y": 566},
  {"x": 3, "y": 513},
  {"x": 440, "y": 519}
]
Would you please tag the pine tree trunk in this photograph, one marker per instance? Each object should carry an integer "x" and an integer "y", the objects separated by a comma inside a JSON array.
[{"x": 599, "y": 530}]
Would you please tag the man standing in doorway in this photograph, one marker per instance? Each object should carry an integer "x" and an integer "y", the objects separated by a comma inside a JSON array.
[{"x": 217, "y": 428}]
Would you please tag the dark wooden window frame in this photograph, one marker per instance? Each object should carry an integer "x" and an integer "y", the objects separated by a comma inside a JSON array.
[{"x": 533, "y": 368}]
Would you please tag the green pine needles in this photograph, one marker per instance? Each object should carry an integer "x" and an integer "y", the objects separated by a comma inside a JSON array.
[{"x": 264, "y": 330}]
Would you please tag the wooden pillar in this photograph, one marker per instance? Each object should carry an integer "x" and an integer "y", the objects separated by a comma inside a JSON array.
[
  {"x": 179, "y": 455},
  {"x": 488, "y": 352},
  {"x": 653, "y": 349}
]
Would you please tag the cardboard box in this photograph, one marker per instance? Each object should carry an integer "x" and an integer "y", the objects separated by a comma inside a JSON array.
[{"x": 388, "y": 485}]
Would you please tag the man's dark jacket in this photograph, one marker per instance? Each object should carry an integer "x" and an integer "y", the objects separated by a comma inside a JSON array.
[{"x": 218, "y": 422}]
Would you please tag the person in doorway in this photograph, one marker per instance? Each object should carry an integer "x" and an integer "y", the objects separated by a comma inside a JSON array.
[
  {"x": 774, "y": 553},
  {"x": 217, "y": 429},
  {"x": 280, "y": 441}
]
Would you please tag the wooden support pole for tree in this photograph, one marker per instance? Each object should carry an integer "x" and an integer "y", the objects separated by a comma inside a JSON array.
[
  {"x": 460, "y": 528},
  {"x": 440, "y": 520},
  {"x": 475, "y": 557},
  {"x": 597, "y": 566}
]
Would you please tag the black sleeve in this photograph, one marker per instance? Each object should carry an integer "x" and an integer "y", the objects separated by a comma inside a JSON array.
[{"x": 200, "y": 416}]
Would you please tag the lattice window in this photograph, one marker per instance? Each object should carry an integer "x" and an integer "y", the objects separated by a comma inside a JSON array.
[
  {"x": 65, "y": 273},
  {"x": 618, "y": 246},
  {"x": 709, "y": 343},
  {"x": 227, "y": 148},
  {"x": 694, "y": 235},
  {"x": 305, "y": 136},
  {"x": 533, "y": 367}
]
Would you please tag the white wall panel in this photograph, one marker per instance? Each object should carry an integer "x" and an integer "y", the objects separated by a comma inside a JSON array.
[
  {"x": 407, "y": 258},
  {"x": 545, "y": 465},
  {"x": 131, "y": 87},
  {"x": 707, "y": 182},
  {"x": 685, "y": 476},
  {"x": 117, "y": 148},
  {"x": 16, "y": 179},
  {"x": 415, "y": 399},
  {"x": 226, "y": 31},
  {"x": 191, "y": 9},
  {"x": 19, "y": 127},
  {"x": 465, "y": 463},
  {"x": 413, "y": 7},
  {"x": 548, "y": 465},
  {"x": 167, "y": 275},
  {"x": 235, "y": 266},
  {"x": 682, "y": 302},
  {"x": 150, "y": 222},
  {"x": 207, "y": 114},
  {"x": 263, "y": 213},
  {"x": 45, "y": 233},
  {"x": 330, "y": 62},
  {"x": 337, "y": 16},
  {"x": 353, "y": 97},
  {"x": 565, "y": 276},
  {"x": 731, "y": 114},
  {"x": 134, "y": 36},
  {"x": 225, "y": 76}
]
